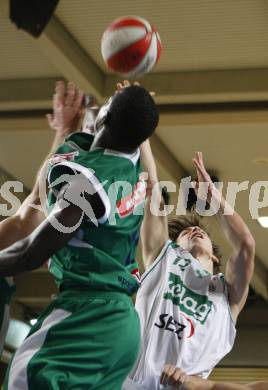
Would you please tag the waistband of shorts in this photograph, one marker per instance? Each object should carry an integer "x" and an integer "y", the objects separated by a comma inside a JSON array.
[{"x": 85, "y": 295}]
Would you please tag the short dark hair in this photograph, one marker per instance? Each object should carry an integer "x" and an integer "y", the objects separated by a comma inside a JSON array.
[
  {"x": 177, "y": 225},
  {"x": 132, "y": 117}
]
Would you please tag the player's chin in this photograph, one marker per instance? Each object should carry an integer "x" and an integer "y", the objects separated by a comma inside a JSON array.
[{"x": 199, "y": 243}]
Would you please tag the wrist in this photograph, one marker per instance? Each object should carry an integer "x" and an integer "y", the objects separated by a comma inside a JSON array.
[
  {"x": 64, "y": 131},
  {"x": 217, "y": 202},
  {"x": 226, "y": 209}
]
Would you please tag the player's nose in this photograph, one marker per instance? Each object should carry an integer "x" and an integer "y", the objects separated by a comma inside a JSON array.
[{"x": 196, "y": 229}]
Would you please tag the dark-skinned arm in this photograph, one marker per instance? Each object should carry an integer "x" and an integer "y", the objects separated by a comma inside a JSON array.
[{"x": 34, "y": 250}]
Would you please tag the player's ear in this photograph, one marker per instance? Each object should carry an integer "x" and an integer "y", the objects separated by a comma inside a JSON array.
[{"x": 215, "y": 259}]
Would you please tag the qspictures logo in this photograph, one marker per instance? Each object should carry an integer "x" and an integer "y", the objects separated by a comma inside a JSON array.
[
  {"x": 132, "y": 199},
  {"x": 195, "y": 305}
]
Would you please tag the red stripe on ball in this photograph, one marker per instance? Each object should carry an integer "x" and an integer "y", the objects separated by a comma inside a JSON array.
[
  {"x": 130, "y": 22},
  {"x": 130, "y": 57}
]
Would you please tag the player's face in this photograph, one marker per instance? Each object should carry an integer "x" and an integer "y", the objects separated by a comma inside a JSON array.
[{"x": 195, "y": 239}]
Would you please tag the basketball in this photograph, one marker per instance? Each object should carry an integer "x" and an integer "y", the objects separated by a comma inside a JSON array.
[{"x": 131, "y": 46}]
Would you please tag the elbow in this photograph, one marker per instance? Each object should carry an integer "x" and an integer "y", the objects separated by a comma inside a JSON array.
[
  {"x": 13, "y": 259},
  {"x": 248, "y": 252}
]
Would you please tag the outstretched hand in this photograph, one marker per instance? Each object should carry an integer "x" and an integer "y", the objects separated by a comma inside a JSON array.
[
  {"x": 67, "y": 108},
  {"x": 204, "y": 187}
]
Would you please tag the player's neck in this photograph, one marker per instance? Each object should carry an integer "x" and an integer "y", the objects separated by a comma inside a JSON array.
[
  {"x": 104, "y": 140},
  {"x": 204, "y": 259}
]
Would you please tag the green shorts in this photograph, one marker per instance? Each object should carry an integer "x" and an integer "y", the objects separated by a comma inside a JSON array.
[{"x": 81, "y": 341}]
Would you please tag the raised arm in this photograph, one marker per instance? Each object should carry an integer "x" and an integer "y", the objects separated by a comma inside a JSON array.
[
  {"x": 154, "y": 229},
  {"x": 240, "y": 267},
  {"x": 67, "y": 104}
]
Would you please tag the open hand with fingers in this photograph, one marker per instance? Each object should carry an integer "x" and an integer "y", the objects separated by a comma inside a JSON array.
[
  {"x": 204, "y": 187},
  {"x": 67, "y": 108}
]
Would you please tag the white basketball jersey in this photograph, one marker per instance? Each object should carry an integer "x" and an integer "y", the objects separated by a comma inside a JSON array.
[{"x": 185, "y": 319}]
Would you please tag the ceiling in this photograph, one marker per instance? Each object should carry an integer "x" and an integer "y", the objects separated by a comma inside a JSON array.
[
  {"x": 196, "y": 35},
  {"x": 211, "y": 85}
]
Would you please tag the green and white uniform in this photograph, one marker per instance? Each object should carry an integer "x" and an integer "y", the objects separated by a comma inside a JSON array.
[
  {"x": 185, "y": 319},
  {"x": 88, "y": 338},
  {"x": 7, "y": 289}
]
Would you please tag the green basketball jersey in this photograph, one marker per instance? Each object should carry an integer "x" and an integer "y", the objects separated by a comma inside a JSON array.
[
  {"x": 7, "y": 290},
  {"x": 100, "y": 257}
]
